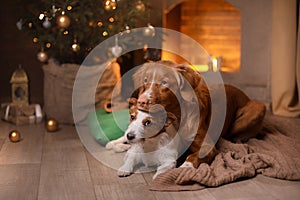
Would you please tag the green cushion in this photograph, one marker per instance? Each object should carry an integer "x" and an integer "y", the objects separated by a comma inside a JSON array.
[{"x": 108, "y": 126}]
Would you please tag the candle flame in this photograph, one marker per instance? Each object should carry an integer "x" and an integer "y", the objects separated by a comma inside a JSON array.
[{"x": 214, "y": 64}]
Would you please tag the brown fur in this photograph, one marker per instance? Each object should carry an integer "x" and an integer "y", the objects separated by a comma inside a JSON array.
[{"x": 243, "y": 117}]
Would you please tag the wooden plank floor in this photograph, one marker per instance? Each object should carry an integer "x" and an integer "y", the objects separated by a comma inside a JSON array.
[{"x": 56, "y": 166}]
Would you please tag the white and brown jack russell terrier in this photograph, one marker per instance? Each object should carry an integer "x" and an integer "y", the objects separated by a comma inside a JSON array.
[{"x": 151, "y": 138}]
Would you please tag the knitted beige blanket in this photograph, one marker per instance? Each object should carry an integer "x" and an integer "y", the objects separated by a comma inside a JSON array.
[{"x": 274, "y": 155}]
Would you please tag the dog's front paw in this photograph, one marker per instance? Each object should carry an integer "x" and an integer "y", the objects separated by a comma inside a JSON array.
[
  {"x": 110, "y": 145},
  {"x": 187, "y": 164},
  {"x": 123, "y": 172},
  {"x": 119, "y": 148}
]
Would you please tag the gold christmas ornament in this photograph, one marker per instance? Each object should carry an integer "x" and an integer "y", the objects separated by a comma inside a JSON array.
[
  {"x": 127, "y": 28},
  {"x": 113, "y": 4},
  {"x": 75, "y": 47},
  {"x": 63, "y": 21},
  {"x": 42, "y": 56},
  {"x": 35, "y": 39},
  {"x": 14, "y": 136},
  {"x": 111, "y": 19},
  {"x": 41, "y": 16},
  {"x": 140, "y": 6},
  {"x": 105, "y": 33},
  {"x": 110, "y": 4},
  {"x": 48, "y": 45},
  {"x": 91, "y": 23},
  {"x": 100, "y": 24},
  {"x": 51, "y": 125}
]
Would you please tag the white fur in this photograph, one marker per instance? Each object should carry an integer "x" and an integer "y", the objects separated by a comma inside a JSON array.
[
  {"x": 190, "y": 109},
  {"x": 187, "y": 164},
  {"x": 164, "y": 157},
  {"x": 118, "y": 145},
  {"x": 149, "y": 91},
  {"x": 178, "y": 144},
  {"x": 159, "y": 150}
]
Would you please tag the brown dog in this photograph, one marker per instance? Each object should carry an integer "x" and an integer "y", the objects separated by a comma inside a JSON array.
[{"x": 183, "y": 92}]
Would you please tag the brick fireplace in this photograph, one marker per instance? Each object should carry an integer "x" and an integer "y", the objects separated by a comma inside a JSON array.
[{"x": 237, "y": 31}]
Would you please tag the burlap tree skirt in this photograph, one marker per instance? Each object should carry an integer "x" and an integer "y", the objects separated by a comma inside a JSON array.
[{"x": 58, "y": 87}]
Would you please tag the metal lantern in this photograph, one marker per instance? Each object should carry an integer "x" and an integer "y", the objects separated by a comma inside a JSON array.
[{"x": 19, "y": 87}]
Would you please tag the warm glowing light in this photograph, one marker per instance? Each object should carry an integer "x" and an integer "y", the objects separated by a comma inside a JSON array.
[
  {"x": 41, "y": 16},
  {"x": 145, "y": 47},
  {"x": 105, "y": 33},
  {"x": 48, "y": 45},
  {"x": 111, "y": 19},
  {"x": 62, "y": 19},
  {"x": 127, "y": 29},
  {"x": 66, "y": 32},
  {"x": 200, "y": 68},
  {"x": 214, "y": 64},
  {"x": 91, "y": 23},
  {"x": 35, "y": 39},
  {"x": 75, "y": 47},
  {"x": 99, "y": 24},
  {"x": 50, "y": 123},
  {"x": 110, "y": 4},
  {"x": 69, "y": 7},
  {"x": 14, "y": 136}
]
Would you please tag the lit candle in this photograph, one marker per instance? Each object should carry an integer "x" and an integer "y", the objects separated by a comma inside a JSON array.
[
  {"x": 14, "y": 136},
  {"x": 51, "y": 125},
  {"x": 214, "y": 64}
]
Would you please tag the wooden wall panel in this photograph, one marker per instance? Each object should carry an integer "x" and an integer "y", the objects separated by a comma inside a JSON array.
[{"x": 216, "y": 25}]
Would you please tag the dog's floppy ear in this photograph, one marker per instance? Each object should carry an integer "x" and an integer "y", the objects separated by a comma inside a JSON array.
[
  {"x": 166, "y": 118},
  {"x": 158, "y": 112},
  {"x": 193, "y": 77},
  {"x": 157, "y": 109},
  {"x": 132, "y": 102},
  {"x": 186, "y": 91},
  {"x": 171, "y": 118}
]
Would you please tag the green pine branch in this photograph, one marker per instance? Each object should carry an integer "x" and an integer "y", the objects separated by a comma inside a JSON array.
[{"x": 88, "y": 21}]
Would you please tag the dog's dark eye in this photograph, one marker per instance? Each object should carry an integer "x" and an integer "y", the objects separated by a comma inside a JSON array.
[
  {"x": 145, "y": 80},
  {"x": 132, "y": 117},
  {"x": 147, "y": 123},
  {"x": 163, "y": 83}
]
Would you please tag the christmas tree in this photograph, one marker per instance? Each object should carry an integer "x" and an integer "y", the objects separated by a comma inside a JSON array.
[{"x": 68, "y": 30}]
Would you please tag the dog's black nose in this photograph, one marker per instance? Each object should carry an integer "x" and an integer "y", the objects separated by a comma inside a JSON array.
[{"x": 130, "y": 136}]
